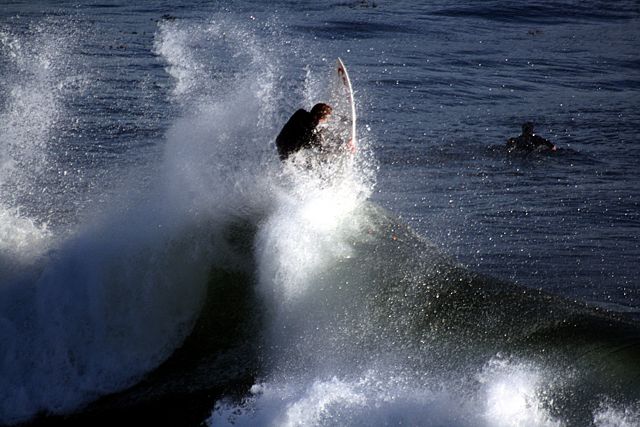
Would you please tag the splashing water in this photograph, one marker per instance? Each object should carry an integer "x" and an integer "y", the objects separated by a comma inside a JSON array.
[
  {"x": 36, "y": 78},
  {"x": 506, "y": 395},
  {"x": 118, "y": 295},
  {"x": 353, "y": 311}
]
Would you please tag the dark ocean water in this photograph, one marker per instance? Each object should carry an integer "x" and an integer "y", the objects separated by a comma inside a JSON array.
[{"x": 131, "y": 136}]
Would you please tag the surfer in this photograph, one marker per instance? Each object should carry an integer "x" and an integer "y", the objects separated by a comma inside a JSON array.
[
  {"x": 305, "y": 129},
  {"x": 529, "y": 141}
]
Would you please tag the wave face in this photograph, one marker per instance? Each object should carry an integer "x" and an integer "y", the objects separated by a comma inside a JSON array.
[
  {"x": 196, "y": 268},
  {"x": 382, "y": 327}
]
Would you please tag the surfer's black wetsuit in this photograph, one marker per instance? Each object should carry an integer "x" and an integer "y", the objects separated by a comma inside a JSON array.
[
  {"x": 299, "y": 132},
  {"x": 528, "y": 141}
]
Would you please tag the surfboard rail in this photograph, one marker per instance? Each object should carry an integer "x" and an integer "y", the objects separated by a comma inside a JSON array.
[{"x": 343, "y": 76}]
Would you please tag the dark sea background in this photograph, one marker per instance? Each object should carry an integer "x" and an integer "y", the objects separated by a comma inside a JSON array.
[{"x": 134, "y": 136}]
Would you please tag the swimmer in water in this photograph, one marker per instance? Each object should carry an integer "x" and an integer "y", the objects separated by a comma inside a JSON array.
[{"x": 529, "y": 141}]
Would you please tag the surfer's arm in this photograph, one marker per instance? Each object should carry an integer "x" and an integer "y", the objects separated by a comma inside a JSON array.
[
  {"x": 351, "y": 146},
  {"x": 551, "y": 145},
  {"x": 540, "y": 141}
]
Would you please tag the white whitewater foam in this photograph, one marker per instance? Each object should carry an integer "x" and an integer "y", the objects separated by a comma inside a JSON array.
[
  {"x": 512, "y": 395},
  {"x": 21, "y": 239},
  {"x": 365, "y": 401},
  {"x": 508, "y": 395},
  {"x": 107, "y": 306},
  {"x": 611, "y": 415},
  {"x": 307, "y": 231}
]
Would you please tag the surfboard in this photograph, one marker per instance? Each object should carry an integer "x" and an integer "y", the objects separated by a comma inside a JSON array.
[{"x": 344, "y": 108}]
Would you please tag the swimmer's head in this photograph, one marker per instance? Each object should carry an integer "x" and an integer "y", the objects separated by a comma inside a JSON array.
[
  {"x": 527, "y": 128},
  {"x": 321, "y": 112}
]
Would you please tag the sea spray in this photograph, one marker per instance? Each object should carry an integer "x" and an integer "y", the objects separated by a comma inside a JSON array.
[
  {"x": 512, "y": 393},
  {"x": 221, "y": 60},
  {"x": 37, "y": 75},
  {"x": 32, "y": 104},
  {"x": 307, "y": 231},
  {"x": 612, "y": 415},
  {"x": 384, "y": 397},
  {"x": 120, "y": 293}
]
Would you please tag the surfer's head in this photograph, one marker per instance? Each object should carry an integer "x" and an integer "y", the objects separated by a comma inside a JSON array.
[
  {"x": 527, "y": 128},
  {"x": 321, "y": 112}
]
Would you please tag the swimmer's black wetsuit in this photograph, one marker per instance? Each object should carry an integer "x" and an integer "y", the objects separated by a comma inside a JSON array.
[
  {"x": 299, "y": 132},
  {"x": 529, "y": 143}
]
